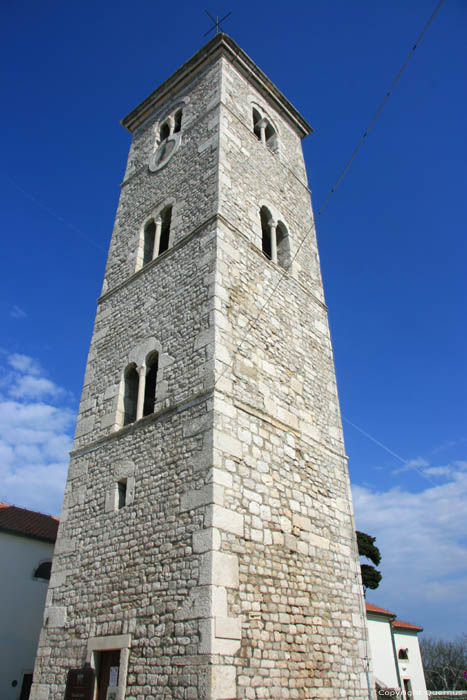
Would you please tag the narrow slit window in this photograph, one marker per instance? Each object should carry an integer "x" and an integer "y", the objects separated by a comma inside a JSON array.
[
  {"x": 130, "y": 398},
  {"x": 178, "y": 121},
  {"x": 149, "y": 238},
  {"x": 121, "y": 493},
  {"x": 166, "y": 216},
  {"x": 152, "y": 364},
  {"x": 266, "y": 232}
]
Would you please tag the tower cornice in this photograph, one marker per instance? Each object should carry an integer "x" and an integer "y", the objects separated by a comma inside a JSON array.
[{"x": 220, "y": 46}]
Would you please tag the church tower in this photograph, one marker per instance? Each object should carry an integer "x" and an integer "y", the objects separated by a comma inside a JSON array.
[{"x": 206, "y": 548}]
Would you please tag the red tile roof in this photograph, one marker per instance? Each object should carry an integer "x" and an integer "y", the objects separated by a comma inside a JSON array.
[
  {"x": 397, "y": 624},
  {"x": 21, "y": 521},
  {"x": 406, "y": 626},
  {"x": 380, "y": 611}
]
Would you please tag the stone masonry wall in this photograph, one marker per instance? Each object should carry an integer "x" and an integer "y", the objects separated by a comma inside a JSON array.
[
  {"x": 278, "y": 436},
  {"x": 231, "y": 571}
]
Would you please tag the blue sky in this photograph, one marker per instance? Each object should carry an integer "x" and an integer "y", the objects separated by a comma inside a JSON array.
[{"x": 392, "y": 243}]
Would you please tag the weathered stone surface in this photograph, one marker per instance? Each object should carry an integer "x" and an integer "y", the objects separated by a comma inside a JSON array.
[{"x": 231, "y": 567}]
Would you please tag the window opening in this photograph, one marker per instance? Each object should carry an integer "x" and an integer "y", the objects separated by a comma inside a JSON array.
[
  {"x": 283, "y": 245},
  {"x": 166, "y": 216},
  {"x": 152, "y": 364},
  {"x": 264, "y": 131},
  {"x": 404, "y": 654},
  {"x": 130, "y": 398},
  {"x": 121, "y": 493},
  {"x": 43, "y": 571},
  {"x": 108, "y": 673},
  {"x": 178, "y": 121},
  {"x": 149, "y": 238},
  {"x": 26, "y": 686},
  {"x": 164, "y": 131},
  {"x": 408, "y": 689},
  {"x": 271, "y": 137},
  {"x": 266, "y": 232},
  {"x": 256, "y": 126}
]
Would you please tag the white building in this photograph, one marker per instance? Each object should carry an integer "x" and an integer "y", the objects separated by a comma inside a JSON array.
[
  {"x": 397, "y": 662},
  {"x": 26, "y": 548}
]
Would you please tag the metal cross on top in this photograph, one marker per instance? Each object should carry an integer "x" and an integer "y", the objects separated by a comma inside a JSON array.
[{"x": 217, "y": 23}]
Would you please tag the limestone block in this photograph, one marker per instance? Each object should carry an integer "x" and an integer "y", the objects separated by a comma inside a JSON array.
[
  {"x": 212, "y": 493},
  {"x": 84, "y": 425},
  {"x": 225, "y": 519},
  {"x": 200, "y": 603},
  {"x": 57, "y": 579},
  {"x": 228, "y": 627},
  {"x": 220, "y": 569},
  {"x": 221, "y": 477},
  {"x": 204, "y": 540},
  {"x": 302, "y": 522},
  {"x": 224, "y": 686},
  {"x": 64, "y": 545},
  {"x": 227, "y": 443},
  {"x": 55, "y": 617},
  {"x": 39, "y": 691}
]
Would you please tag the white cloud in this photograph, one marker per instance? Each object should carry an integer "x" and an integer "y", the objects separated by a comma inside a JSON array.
[
  {"x": 412, "y": 464},
  {"x": 423, "y": 541},
  {"x": 35, "y": 436},
  {"x": 17, "y": 312},
  {"x": 32, "y": 387},
  {"x": 24, "y": 363}
]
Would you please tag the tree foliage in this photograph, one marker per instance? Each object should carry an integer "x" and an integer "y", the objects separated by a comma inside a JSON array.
[
  {"x": 444, "y": 663},
  {"x": 371, "y": 577}
]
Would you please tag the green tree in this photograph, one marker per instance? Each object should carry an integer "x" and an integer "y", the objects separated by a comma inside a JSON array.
[
  {"x": 444, "y": 663},
  {"x": 371, "y": 577}
]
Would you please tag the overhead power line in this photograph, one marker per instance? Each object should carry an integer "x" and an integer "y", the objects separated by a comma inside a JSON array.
[{"x": 253, "y": 322}]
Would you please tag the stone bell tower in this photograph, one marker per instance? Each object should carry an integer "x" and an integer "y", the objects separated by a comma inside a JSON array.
[{"x": 206, "y": 548}]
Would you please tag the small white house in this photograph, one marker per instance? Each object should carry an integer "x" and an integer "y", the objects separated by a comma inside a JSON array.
[
  {"x": 27, "y": 543},
  {"x": 397, "y": 662}
]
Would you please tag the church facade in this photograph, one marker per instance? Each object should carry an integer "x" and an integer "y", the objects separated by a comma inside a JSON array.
[{"x": 206, "y": 548}]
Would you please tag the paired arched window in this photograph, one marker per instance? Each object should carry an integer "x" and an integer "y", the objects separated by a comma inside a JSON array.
[
  {"x": 157, "y": 235},
  {"x": 264, "y": 130},
  {"x": 139, "y": 393},
  {"x": 167, "y": 142},
  {"x": 171, "y": 125},
  {"x": 275, "y": 239}
]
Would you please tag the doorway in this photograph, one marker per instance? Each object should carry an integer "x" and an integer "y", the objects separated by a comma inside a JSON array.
[{"x": 108, "y": 674}]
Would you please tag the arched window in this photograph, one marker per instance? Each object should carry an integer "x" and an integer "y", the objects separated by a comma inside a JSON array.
[
  {"x": 152, "y": 364},
  {"x": 157, "y": 235},
  {"x": 256, "y": 124},
  {"x": 271, "y": 137},
  {"x": 404, "y": 654},
  {"x": 266, "y": 221},
  {"x": 283, "y": 247},
  {"x": 166, "y": 220},
  {"x": 43, "y": 571},
  {"x": 164, "y": 131},
  {"x": 177, "y": 121},
  {"x": 130, "y": 396},
  {"x": 274, "y": 239},
  {"x": 149, "y": 239},
  {"x": 264, "y": 131}
]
